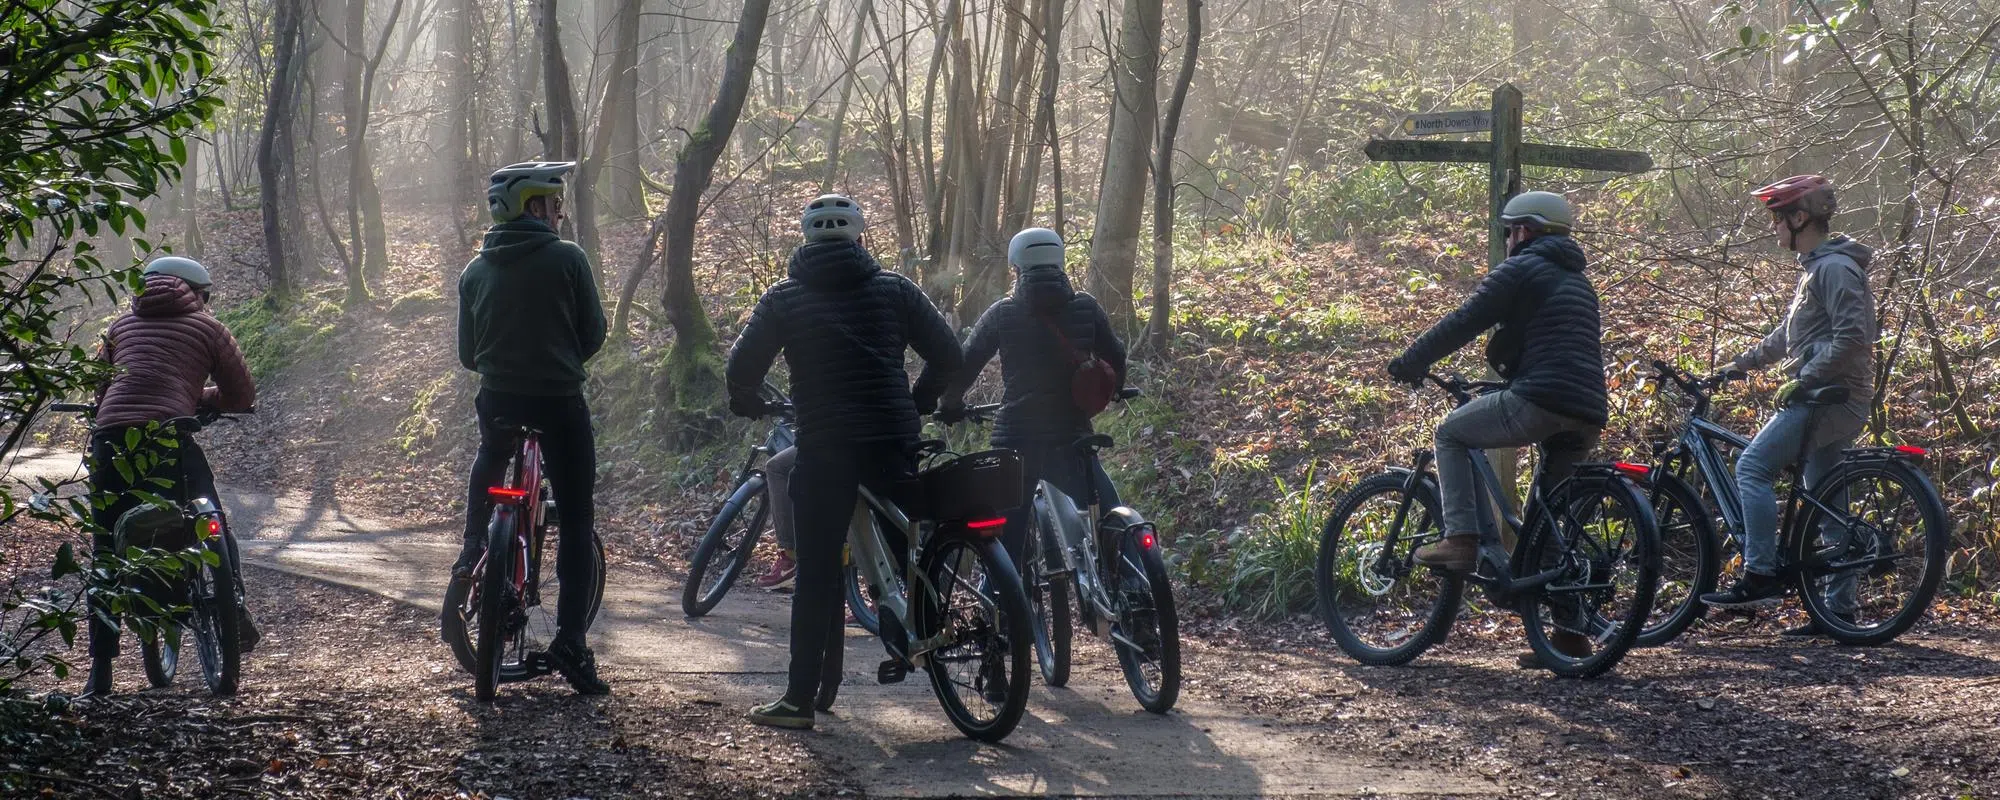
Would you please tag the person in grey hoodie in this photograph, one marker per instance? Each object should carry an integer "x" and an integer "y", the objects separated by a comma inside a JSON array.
[
  {"x": 528, "y": 317},
  {"x": 1827, "y": 339}
]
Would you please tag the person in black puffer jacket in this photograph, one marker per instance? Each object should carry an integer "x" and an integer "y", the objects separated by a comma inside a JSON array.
[
  {"x": 842, "y": 323},
  {"x": 1038, "y": 417},
  {"x": 1545, "y": 345}
]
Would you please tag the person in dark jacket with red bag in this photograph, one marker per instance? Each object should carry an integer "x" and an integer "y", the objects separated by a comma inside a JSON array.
[
  {"x": 1060, "y": 363},
  {"x": 164, "y": 351}
]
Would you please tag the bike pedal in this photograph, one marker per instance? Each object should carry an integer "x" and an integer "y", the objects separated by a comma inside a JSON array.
[{"x": 892, "y": 671}]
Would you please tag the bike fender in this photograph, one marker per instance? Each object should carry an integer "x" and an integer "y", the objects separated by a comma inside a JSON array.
[{"x": 204, "y": 505}]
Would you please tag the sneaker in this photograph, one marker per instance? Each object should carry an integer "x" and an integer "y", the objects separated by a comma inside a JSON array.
[
  {"x": 1753, "y": 590},
  {"x": 1813, "y": 628},
  {"x": 1569, "y": 643},
  {"x": 247, "y": 636},
  {"x": 782, "y": 714},
  {"x": 783, "y": 572},
  {"x": 579, "y": 666},
  {"x": 1458, "y": 552}
]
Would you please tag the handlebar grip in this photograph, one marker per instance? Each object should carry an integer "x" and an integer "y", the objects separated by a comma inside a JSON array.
[{"x": 1129, "y": 392}]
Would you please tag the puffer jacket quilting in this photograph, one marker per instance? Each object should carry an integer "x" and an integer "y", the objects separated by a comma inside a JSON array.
[
  {"x": 1036, "y": 408},
  {"x": 843, "y": 323},
  {"x": 1547, "y": 340},
  {"x": 164, "y": 351}
]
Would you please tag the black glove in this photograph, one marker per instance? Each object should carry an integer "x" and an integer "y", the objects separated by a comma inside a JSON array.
[
  {"x": 950, "y": 413},
  {"x": 926, "y": 405},
  {"x": 1406, "y": 371},
  {"x": 747, "y": 407}
]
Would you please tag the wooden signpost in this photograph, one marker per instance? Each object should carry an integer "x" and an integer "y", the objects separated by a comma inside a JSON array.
[{"x": 1505, "y": 152}]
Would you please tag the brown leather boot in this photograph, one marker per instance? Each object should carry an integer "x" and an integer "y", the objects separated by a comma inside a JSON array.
[
  {"x": 1458, "y": 552},
  {"x": 1569, "y": 643}
]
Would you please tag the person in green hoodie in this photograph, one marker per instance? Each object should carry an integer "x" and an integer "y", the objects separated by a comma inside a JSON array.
[{"x": 528, "y": 318}]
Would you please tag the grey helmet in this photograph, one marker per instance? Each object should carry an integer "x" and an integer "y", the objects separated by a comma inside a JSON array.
[
  {"x": 511, "y": 187},
  {"x": 831, "y": 216},
  {"x": 186, "y": 269},
  {"x": 1545, "y": 210},
  {"x": 1035, "y": 247}
]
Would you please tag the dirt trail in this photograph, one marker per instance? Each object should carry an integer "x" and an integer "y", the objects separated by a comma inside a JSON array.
[{"x": 1087, "y": 740}]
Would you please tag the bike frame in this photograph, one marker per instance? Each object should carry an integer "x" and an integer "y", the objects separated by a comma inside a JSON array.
[
  {"x": 523, "y": 490},
  {"x": 1058, "y": 514}
]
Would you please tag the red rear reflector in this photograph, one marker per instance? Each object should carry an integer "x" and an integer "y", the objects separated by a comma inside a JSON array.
[
  {"x": 1146, "y": 540},
  {"x": 1912, "y": 450},
  {"x": 215, "y": 527},
  {"x": 986, "y": 524},
  {"x": 506, "y": 495},
  {"x": 1638, "y": 471}
]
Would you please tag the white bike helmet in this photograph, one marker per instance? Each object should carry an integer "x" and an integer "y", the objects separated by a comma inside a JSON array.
[
  {"x": 512, "y": 186},
  {"x": 1035, "y": 247},
  {"x": 186, "y": 269},
  {"x": 831, "y": 216}
]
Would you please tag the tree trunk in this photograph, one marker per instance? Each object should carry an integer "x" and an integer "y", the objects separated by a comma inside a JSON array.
[
  {"x": 1114, "y": 250},
  {"x": 615, "y": 148},
  {"x": 461, "y": 173},
  {"x": 191, "y": 243},
  {"x": 1274, "y": 208},
  {"x": 1161, "y": 327},
  {"x": 270, "y": 162},
  {"x": 850, "y": 58},
  {"x": 692, "y": 379},
  {"x": 564, "y": 136}
]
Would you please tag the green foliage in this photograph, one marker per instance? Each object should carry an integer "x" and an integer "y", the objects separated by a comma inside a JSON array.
[
  {"x": 274, "y": 339},
  {"x": 1265, "y": 570}
]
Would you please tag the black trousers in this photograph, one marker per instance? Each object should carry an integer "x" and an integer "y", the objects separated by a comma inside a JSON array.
[
  {"x": 825, "y": 486},
  {"x": 186, "y": 467},
  {"x": 1061, "y": 464},
  {"x": 569, "y": 463}
]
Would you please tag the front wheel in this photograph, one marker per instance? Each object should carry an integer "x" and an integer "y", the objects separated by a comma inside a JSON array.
[
  {"x": 1381, "y": 606},
  {"x": 160, "y": 653},
  {"x": 1596, "y": 547},
  {"x": 726, "y": 547},
  {"x": 861, "y": 601},
  {"x": 1873, "y": 544},
  {"x": 980, "y": 674},
  {"x": 1147, "y": 636},
  {"x": 1690, "y": 558}
]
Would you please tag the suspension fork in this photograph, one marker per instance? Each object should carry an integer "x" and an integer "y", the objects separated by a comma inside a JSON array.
[{"x": 1412, "y": 483}]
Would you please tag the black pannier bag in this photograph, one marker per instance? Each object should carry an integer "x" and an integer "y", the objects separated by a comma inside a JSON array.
[{"x": 983, "y": 485}]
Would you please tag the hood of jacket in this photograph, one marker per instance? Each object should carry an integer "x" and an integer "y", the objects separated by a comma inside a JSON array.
[
  {"x": 1559, "y": 250},
  {"x": 1044, "y": 289},
  {"x": 832, "y": 264},
  {"x": 166, "y": 296},
  {"x": 511, "y": 241},
  {"x": 1840, "y": 245}
]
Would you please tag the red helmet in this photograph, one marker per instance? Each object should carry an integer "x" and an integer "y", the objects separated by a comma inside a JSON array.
[{"x": 1809, "y": 193}]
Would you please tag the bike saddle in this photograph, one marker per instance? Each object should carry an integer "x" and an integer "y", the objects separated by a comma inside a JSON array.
[
  {"x": 1095, "y": 441},
  {"x": 1824, "y": 396},
  {"x": 511, "y": 426}
]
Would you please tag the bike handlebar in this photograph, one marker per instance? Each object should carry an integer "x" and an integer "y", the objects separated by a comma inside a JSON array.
[{"x": 73, "y": 408}]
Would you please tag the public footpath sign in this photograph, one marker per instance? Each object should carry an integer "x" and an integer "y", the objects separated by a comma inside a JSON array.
[{"x": 1504, "y": 153}]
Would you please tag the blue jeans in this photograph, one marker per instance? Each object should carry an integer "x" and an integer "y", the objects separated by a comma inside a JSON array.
[{"x": 1780, "y": 444}]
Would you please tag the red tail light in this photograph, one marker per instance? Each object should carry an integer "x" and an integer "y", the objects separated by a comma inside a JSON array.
[
  {"x": 987, "y": 527},
  {"x": 1912, "y": 451},
  {"x": 1146, "y": 540},
  {"x": 1633, "y": 471},
  {"x": 215, "y": 527},
  {"x": 504, "y": 494}
]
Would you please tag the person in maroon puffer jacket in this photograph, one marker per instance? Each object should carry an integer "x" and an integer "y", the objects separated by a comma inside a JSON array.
[{"x": 164, "y": 352}]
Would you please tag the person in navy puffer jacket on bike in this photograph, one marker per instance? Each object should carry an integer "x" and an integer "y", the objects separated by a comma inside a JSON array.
[
  {"x": 1039, "y": 331},
  {"x": 843, "y": 324}
]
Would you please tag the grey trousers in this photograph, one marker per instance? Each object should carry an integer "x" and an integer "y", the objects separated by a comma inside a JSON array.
[
  {"x": 777, "y": 482},
  {"x": 1498, "y": 420}
]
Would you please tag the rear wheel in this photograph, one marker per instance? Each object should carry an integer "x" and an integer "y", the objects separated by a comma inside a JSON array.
[
  {"x": 1381, "y": 606},
  {"x": 980, "y": 674},
  {"x": 1603, "y": 545},
  {"x": 1873, "y": 564},
  {"x": 726, "y": 547},
  {"x": 497, "y": 601},
  {"x": 539, "y": 609},
  {"x": 1147, "y": 636},
  {"x": 1690, "y": 559},
  {"x": 861, "y": 601},
  {"x": 214, "y": 599}
]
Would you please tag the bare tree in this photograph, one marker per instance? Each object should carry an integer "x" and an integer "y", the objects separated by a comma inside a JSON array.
[
  {"x": 1121, "y": 196},
  {"x": 273, "y": 151},
  {"x": 1161, "y": 325}
]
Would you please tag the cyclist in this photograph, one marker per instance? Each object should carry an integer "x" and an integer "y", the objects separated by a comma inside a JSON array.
[
  {"x": 1545, "y": 345},
  {"x": 1826, "y": 339},
  {"x": 842, "y": 323},
  {"x": 165, "y": 351},
  {"x": 528, "y": 319},
  {"x": 1039, "y": 332}
]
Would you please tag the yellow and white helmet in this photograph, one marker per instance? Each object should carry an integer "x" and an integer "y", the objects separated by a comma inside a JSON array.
[{"x": 512, "y": 186}]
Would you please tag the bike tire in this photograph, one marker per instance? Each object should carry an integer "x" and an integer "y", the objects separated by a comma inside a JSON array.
[
  {"x": 1333, "y": 589},
  {"x": 458, "y": 622},
  {"x": 1048, "y": 601},
  {"x": 160, "y": 655},
  {"x": 495, "y": 583},
  {"x": 216, "y": 633},
  {"x": 1007, "y": 644},
  {"x": 1538, "y": 536},
  {"x": 859, "y": 602},
  {"x": 1159, "y": 592},
  {"x": 1690, "y": 559},
  {"x": 1936, "y": 541},
  {"x": 701, "y": 596}
]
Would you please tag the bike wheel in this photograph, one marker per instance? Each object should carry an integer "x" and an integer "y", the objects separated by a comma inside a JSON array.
[
  {"x": 861, "y": 601},
  {"x": 214, "y": 599},
  {"x": 458, "y": 621},
  {"x": 1048, "y": 601},
  {"x": 1381, "y": 606},
  {"x": 541, "y": 603},
  {"x": 1690, "y": 559},
  {"x": 160, "y": 654},
  {"x": 497, "y": 601},
  {"x": 726, "y": 547},
  {"x": 980, "y": 674},
  {"x": 1602, "y": 543},
  {"x": 1878, "y": 557},
  {"x": 1147, "y": 635}
]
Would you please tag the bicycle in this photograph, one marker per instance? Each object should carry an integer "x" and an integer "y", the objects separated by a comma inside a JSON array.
[
  {"x": 1585, "y": 560},
  {"x": 207, "y": 595},
  {"x": 1117, "y": 576},
  {"x": 1852, "y": 545},
  {"x": 494, "y": 620}
]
